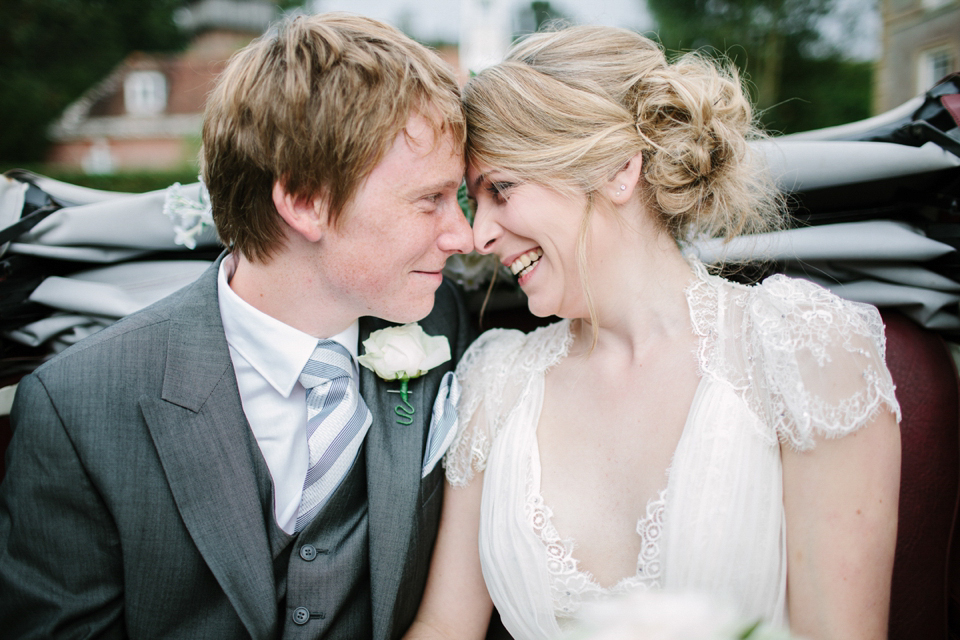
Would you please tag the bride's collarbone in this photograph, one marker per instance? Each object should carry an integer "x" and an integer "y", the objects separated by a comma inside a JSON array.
[{"x": 629, "y": 409}]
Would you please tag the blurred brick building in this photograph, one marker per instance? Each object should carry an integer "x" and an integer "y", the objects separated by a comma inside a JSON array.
[
  {"x": 921, "y": 44},
  {"x": 147, "y": 113}
]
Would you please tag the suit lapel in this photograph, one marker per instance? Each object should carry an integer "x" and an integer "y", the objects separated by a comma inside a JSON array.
[
  {"x": 208, "y": 454},
  {"x": 394, "y": 454}
]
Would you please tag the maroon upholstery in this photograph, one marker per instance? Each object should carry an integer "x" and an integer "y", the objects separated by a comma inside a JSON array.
[{"x": 926, "y": 382}]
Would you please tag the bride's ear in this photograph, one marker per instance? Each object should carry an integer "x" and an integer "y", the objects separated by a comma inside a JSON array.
[
  {"x": 621, "y": 186},
  {"x": 305, "y": 216}
]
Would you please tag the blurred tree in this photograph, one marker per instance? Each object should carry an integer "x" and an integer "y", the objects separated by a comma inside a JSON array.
[
  {"x": 536, "y": 15},
  {"x": 544, "y": 13},
  {"x": 51, "y": 51},
  {"x": 799, "y": 81}
]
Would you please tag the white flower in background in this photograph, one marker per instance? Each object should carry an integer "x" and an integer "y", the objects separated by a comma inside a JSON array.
[
  {"x": 470, "y": 270},
  {"x": 662, "y": 615},
  {"x": 189, "y": 216},
  {"x": 399, "y": 353}
]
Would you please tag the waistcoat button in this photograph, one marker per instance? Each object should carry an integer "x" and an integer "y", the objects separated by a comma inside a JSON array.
[
  {"x": 301, "y": 615},
  {"x": 308, "y": 552}
]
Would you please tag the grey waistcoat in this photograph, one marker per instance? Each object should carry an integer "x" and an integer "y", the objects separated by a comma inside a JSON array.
[{"x": 323, "y": 573}]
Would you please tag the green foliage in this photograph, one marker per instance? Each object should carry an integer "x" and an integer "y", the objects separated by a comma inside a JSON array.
[
  {"x": 796, "y": 80},
  {"x": 543, "y": 13},
  {"x": 51, "y": 51},
  {"x": 537, "y": 15},
  {"x": 821, "y": 92},
  {"x": 464, "y": 201}
]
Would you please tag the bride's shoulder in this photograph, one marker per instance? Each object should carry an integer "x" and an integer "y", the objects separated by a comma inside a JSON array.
[
  {"x": 778, "y": 308},
  {"x": 821, "y": 359},
  {"x": 493, "y": 374},
  {"x": 515, "y": 351},
  {"x": 783, "y": 306}
]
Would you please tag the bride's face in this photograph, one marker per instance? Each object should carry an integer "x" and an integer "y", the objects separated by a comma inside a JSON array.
[{"x": 532, "y": 230}]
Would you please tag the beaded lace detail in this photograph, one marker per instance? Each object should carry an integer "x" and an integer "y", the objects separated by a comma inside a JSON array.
[
  {"x": 804, "y": 359},
  {"x": 569, "y": 586},
  {"x": 500, "y": 364}
]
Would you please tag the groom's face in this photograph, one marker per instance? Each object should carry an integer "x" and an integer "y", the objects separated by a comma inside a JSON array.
[{"x": 385, "y": 257}]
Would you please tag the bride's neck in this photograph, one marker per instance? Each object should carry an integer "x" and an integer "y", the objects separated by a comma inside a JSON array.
[{"x": 639, "y": 294}]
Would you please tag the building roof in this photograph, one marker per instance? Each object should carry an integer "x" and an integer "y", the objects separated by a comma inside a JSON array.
[{"x": 221, "y": 26}]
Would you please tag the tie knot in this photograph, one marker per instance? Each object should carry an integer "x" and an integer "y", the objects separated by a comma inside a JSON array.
[{"x": 329, "y": 361}]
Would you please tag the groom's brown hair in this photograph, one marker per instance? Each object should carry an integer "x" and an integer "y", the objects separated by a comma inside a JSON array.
[{"x": 314, "y": 105}]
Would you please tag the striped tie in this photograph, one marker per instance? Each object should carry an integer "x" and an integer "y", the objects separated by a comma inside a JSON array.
[{"x": 337, "y": 421}]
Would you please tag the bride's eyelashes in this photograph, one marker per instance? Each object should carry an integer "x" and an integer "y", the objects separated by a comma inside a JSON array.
[{"x": 498, "y": 190}]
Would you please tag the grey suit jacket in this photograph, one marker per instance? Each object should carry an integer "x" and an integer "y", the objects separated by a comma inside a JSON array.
[{"x": 131, "y": 505}]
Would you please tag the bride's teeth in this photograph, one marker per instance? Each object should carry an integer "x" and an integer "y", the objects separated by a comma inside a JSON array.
[{"x": 525, "y": 262}]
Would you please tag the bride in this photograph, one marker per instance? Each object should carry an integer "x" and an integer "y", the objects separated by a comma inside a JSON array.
[{"x": 675, "y": 430}]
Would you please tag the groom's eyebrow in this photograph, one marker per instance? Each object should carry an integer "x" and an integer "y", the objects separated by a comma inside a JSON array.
[
  {"x": 446, "y": 184},
  {"x": 433, "y": 188},
  {"x": 451, "y": 184}
]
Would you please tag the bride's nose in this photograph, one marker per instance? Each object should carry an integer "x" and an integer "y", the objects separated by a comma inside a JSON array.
[{"x": 486, "y": 230}]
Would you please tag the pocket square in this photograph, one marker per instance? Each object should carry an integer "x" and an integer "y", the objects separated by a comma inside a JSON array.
[{"x": 443, "y": 423}]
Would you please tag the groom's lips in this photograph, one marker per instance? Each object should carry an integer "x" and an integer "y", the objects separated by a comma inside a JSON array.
[{"x": 438, "y": 274}]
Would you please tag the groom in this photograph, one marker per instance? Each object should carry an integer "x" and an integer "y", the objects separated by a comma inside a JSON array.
[{"x": 175, "y": 476}]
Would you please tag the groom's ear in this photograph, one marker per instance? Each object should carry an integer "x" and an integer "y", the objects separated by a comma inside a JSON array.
[{"x": 306, "y": 216}]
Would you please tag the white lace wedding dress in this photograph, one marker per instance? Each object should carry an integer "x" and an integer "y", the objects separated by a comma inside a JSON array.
[{"x": 779, "y": 363}]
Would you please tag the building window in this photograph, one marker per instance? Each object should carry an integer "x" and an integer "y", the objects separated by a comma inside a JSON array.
[
  {"x": 934, "y": 65},
  {"x": 145, "y": 93}
]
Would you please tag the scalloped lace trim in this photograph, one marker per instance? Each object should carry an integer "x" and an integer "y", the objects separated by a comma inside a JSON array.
[{"x": 569, "y": 586}]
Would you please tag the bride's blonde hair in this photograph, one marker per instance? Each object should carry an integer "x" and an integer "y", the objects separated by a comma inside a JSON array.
[{"x": 567, "y": 109}]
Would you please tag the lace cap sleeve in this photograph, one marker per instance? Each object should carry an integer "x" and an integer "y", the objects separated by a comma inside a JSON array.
[
  {"x": 822, "y": 361},
  {"x": 484, "y": 373}
]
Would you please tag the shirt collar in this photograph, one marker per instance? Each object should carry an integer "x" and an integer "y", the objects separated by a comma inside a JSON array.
[{"x": 276, "y": 350}]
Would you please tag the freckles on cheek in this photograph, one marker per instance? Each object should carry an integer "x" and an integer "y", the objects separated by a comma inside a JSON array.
[{"x": 356, "y": 268}]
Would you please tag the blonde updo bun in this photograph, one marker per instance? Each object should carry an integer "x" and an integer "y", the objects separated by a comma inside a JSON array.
[{"x": 567, "y": 109}]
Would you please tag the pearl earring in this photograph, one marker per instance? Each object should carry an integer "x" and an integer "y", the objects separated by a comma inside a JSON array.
[{"x": 623, "y": 187}]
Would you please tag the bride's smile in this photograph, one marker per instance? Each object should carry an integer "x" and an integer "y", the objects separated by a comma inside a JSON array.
[{"x": 533, "y": 230}]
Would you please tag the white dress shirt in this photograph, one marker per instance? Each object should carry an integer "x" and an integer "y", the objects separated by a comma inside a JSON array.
[{"x": 268, "y": 357}]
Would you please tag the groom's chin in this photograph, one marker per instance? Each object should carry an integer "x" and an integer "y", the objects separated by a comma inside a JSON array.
[{"x": 411, "y": 310}]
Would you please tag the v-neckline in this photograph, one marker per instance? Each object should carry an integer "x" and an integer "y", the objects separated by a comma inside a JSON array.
[
  {"x": 536, "y": 470},
  {"x": 536, "y": 477}
]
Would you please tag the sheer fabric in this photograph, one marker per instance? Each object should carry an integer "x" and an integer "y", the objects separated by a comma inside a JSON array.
[{"x": 780, "y": 363}]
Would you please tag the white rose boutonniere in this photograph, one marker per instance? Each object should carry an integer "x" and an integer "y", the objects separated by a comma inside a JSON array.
[{"x": 402, "y": 353}]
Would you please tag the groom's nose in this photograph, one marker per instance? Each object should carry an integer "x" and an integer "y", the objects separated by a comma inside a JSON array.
[{"x": 456, "y": 235}]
